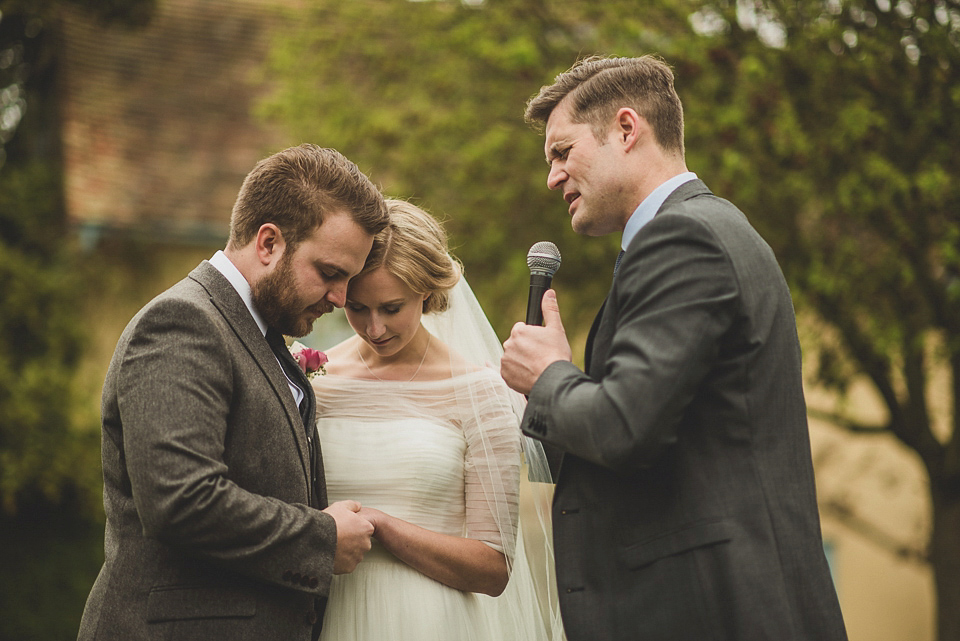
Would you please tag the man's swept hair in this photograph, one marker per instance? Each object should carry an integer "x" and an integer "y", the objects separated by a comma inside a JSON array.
[
  {"x": 296, "y": 188},
  {"x": 597, "y": 87}
]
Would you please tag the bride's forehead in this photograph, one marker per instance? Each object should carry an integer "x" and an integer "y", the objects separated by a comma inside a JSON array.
[{"x": 378, "y": 285}]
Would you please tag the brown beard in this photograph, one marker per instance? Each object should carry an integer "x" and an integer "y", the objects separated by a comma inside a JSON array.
[{"x": 276, "y": 298}]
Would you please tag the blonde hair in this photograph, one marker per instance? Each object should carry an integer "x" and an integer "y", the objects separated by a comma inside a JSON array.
[{"x": 414, "y": 249}]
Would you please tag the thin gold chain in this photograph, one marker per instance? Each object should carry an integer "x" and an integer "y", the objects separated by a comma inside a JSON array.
[{"x": 429, "y": 336}]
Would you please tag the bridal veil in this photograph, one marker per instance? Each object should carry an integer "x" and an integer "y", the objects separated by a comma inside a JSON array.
[{"x": 529, "y": 604}]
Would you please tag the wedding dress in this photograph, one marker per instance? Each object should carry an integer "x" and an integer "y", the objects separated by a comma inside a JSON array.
[{"x": 446, "y": 455}]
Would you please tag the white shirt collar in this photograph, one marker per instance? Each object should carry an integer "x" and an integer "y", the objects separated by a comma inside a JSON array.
[
  {"x": 232, "y": 274},
  {"x": 651, "y": 205}
]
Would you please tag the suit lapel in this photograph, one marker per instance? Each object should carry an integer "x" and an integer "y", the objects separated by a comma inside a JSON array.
[
  {"x": 604, "y": 325},
  {"x": 293, "y": 372},
  {"x": 226, "y": 299},
  {"x": 588, "y": 351},
  {"x": 308, "y": 416}
]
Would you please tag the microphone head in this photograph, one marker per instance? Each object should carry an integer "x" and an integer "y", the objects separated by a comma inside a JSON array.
[{"x": 543, "y": 258}]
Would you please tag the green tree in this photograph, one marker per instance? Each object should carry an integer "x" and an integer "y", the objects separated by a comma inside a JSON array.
[
  {"x": 830, "y": 122},
  {"x": 428, "y": 98},
  {"x": 834, "y": 125},
  {"x": 49, "y": 465}
]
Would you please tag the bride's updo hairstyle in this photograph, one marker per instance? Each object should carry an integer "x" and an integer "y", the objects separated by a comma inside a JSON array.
[{"x": 415, "y": 251}]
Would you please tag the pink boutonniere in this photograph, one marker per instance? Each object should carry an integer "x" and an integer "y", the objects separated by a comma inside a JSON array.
[{"x": 311, "y": 361}]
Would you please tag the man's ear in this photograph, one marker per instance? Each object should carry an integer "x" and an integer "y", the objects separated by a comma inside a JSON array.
[
  {"x": 629, "y": 127},
  {"x": 270, "y": 244}
]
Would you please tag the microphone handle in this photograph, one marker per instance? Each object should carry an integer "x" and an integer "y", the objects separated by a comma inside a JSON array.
[{"x": 539, "y": 284}]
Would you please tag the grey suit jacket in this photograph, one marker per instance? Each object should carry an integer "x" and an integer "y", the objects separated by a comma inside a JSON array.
[
  {"x": 212, "y": 498},
  {"x": 685, "y": 506}
]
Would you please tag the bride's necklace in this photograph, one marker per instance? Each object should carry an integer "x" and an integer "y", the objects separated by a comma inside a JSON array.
[{"x": 425, "y": 349}]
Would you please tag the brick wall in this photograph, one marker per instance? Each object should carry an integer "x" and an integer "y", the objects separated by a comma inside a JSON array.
[{"x": 158, "y": 131}]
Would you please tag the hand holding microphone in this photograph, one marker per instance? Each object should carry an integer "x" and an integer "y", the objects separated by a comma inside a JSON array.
[
  {"x": 543, "y": 259},
  {"x": 530, "y": 348}
]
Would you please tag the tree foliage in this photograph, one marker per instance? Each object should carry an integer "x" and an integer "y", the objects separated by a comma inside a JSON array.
[
  {"x": 428, "y": 97},
  {"x": 50, "y": 482},
  {"x": 831, "y": 123},
  {"x": 42, "y": 451},
  {"x": 838, "y": 141}
]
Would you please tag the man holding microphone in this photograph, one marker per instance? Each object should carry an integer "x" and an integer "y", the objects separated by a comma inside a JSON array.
[{"x": 685, "y": 506}]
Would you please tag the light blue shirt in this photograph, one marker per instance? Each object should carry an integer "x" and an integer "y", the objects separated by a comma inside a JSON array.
[
  {"x": 651, "y": 205},
  {"x": 239, "y": 282}
]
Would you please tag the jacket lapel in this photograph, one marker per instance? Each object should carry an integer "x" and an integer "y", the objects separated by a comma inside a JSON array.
[
  {"x": 226, "y": 299},
  {"x": 588, "y": 350},
  {"x": 308, "y": 416},
  {"x": 604, "y": 325}
]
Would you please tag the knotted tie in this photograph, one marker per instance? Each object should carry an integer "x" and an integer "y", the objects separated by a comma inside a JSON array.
[
  {"x": 295, "y": 375},
  {"x": 290, "y": 367}
]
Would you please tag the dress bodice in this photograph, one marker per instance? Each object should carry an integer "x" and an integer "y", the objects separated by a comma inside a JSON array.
[
  {"x": 410, "y": 468},
  {"x": 442, "y": 454}
]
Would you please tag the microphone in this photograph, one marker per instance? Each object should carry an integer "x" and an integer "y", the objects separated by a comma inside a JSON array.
[{"x": 543, "y": 259}]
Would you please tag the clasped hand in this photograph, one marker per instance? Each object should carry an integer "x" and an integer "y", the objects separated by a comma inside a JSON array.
[
  {"x": 531, "y": 348},
  {"x": 353, "y": 535}
]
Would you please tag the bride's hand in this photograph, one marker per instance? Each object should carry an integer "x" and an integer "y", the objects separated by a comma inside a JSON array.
[{"x": 374, "y": 516}]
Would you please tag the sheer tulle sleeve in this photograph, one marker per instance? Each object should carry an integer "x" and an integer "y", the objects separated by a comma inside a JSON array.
[
  {"x": 492, "y": 464},
  {"x": 490, "y": 415}
]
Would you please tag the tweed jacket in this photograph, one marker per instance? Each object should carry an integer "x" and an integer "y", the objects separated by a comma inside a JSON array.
[{"x": 211, "y": 492}]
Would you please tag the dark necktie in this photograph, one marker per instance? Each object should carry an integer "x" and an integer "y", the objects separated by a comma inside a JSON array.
[
  {"x": 306, "y": 407},
  {"x": 616, "y": 267},
  {"x": 290, "y": 367}
]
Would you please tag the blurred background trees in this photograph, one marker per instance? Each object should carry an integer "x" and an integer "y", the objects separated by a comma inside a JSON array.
[
  {"x": 50, "y": 531},
  {"x": 429, "y": 97}
]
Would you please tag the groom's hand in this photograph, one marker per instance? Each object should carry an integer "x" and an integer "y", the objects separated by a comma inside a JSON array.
[
  {"x": 353, "y": 535},
  {"x": 531, "y": 348}
]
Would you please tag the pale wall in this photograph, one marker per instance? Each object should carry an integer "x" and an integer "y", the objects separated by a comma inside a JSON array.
[{"x": 884, "y": 597}]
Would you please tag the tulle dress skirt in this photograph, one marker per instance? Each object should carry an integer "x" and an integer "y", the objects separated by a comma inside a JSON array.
[{"x": 387, "y": 600}]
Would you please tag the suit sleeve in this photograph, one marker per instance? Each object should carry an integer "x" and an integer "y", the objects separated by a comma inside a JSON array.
[
  {"x": 676, "y": 297},
  {"x": 176, "y": 395}
]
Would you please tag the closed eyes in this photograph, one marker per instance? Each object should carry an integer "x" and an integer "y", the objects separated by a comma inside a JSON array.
[{"x": 558, "y": 154}]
